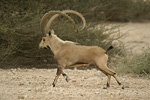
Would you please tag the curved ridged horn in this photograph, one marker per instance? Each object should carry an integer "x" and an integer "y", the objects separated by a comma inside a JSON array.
[
  {"x": 67, "y": 12},
  {"x": 50, "y": 13},
  {"x": 78, "y": 14}
]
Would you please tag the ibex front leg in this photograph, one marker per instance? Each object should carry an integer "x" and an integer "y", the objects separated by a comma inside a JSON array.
[
  {"x": 66, "y": 76},
  {"x": 59, "y": 72},
  {"x": 76, "y": 65}
]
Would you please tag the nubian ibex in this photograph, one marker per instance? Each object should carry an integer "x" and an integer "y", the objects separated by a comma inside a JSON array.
[{"x": 68, "y": 53}]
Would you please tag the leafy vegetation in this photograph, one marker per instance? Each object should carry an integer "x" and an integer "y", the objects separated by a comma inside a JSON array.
[
  {"x": 20, "y": 33},
  {"x": 138, "y": 64}
]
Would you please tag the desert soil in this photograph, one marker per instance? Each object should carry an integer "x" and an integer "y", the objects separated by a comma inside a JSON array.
[
  {"x": 137, "y": 37},
  {"x": 36, "y": 84}
]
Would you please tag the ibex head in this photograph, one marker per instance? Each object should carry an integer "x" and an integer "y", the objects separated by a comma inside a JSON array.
[
  {"x": 51, "y": 40},
  {"x": 45, "y": 42}
]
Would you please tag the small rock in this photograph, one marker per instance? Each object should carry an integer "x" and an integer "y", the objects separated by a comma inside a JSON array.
[
  {"x": 29, "y": 82},
  {"x": 81, "y": 95},
  {"x": 20, "y": 97},
  {"x": 74, "y": 81},
  {"x": 29, "y": 89},
  {"x": 126, "y": 86},
  {"x": 21, "y": 84},
  {"x": 96, "y": 92}
]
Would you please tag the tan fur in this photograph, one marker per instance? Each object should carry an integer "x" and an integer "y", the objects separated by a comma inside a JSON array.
[{"x": 68, "y": 53}]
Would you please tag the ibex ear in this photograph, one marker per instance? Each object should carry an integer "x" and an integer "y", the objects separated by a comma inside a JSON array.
[
  {"x": 49, "y": 33},
  {"x": 52, "y": 31}
]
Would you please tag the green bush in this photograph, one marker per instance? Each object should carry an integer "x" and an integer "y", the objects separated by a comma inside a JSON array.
[{"x": 138, "y": 64}]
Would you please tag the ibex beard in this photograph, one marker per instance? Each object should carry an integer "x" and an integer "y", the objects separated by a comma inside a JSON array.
[{"x": 68, "y": 53}]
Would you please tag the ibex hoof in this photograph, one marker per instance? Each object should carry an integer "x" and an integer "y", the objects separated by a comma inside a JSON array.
[
  {"x": 53, "y": 85},
  {"x": 122, "y": 86},
  {"x": 67, "y": 79},
  {"x": 104, "y": 87}
]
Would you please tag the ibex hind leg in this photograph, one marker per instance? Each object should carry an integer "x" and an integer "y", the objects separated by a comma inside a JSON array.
[
  {"x": 108, "y": 82},
  {"x": 119, "y": 83},
  {"x": 110, "y": 73}
]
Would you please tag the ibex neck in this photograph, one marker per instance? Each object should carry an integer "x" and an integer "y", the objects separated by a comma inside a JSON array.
[{"x": 56, "y": 43}]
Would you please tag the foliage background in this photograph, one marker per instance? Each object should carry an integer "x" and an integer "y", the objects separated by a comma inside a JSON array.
[{"x": 20, "y": 31}]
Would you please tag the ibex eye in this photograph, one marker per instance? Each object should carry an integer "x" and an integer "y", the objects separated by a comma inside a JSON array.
[{"x": 44, "y": 40}]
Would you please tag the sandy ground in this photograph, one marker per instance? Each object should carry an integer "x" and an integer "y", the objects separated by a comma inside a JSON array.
[
  {"x": 137, "y": 36},
  {"x": 35, "y": 84}
]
